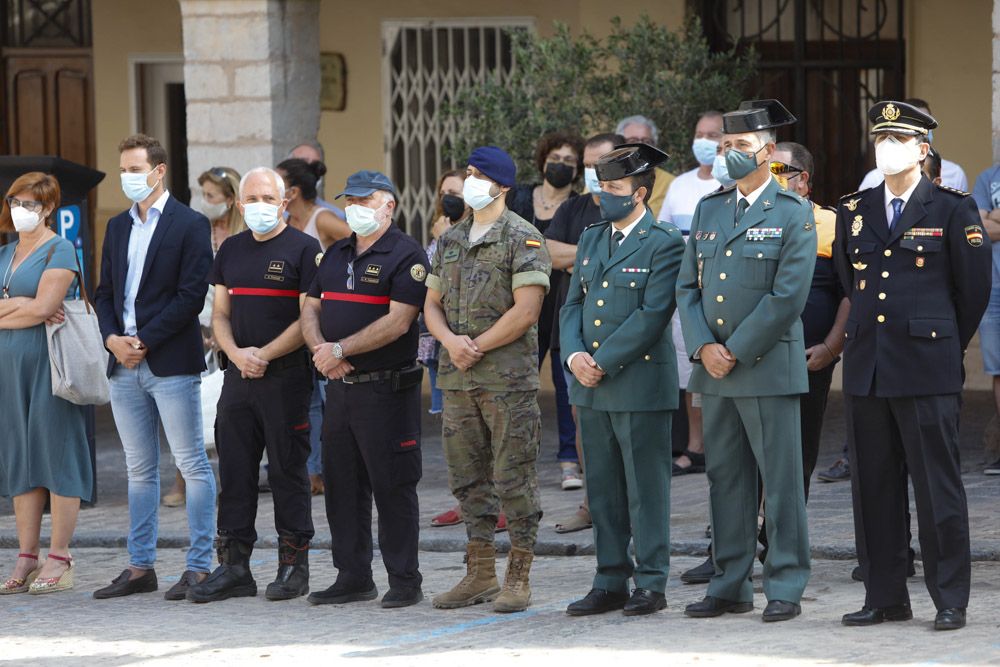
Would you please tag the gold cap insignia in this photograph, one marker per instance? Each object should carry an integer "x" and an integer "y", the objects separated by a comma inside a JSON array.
[
  {"x": 418, "y": 272},
  {"x": 890, "y": 112}
]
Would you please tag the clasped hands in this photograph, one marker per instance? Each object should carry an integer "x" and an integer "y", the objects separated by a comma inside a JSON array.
[
  {"x": 330, "y": 366},
  {"x": 717, "y": 360},
  {"x": 585, "y": 370}
]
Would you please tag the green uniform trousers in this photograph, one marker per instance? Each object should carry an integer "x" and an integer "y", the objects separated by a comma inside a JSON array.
[
  {"x": 491, "y": 441},
  {"x": 627, "y": 461},
  {"x": 742, "y": 436}
]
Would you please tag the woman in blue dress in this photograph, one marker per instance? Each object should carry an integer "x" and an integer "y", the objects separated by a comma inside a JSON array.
[{"x": 43, "y": 452}]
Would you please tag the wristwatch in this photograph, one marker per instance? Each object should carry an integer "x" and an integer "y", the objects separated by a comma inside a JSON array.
[{"x": 338, "y": 351}]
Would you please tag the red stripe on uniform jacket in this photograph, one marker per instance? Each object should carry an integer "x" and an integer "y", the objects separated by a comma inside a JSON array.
[
  {"x": 356, "y": 298},
  {"x": 261, "y": 291}
]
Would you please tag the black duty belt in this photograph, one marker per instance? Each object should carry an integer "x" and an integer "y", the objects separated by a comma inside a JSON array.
[{"x": 362, "y": 378}]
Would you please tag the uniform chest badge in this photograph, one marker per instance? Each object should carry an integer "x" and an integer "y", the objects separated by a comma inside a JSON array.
[
  {"x": 861, "y": 284},
  {"x": 276, "y": 266},
  {"x": 763, "y": 233},
  {"x": 418, "y": 272},
  {"x": 767, "y": 203},
  {"x": 920, "y": 262},
  {"x": 634, "y": 270},
  {"x": 974, "y": 235},
  {"x": 918, "y": 232},
  {"x": 586, "y": 261},
  {"x": 851, "y": 204},
  {"x": 859, "y": 266},
  {"x": 373, "y": 270},
  {"x": 856, "y": 225},
  {"x": 319, "y": 258}
]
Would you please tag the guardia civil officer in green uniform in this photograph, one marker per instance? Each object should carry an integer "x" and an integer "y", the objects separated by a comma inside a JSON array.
[
  {"x": 741, "y": 290},
  {"x": 615, "y": 335}
]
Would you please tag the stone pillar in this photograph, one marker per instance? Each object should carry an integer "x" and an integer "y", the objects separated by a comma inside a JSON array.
[{"x": 251, "y": 80}]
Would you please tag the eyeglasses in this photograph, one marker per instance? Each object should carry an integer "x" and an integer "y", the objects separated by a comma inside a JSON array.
[
  {"x": 350, "y": 276},
  {"x": 782, "y": 169},
  {"x": 33, "y": 206}
]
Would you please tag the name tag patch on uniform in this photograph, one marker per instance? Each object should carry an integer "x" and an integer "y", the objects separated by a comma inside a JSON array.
[
  {"x": 450, "y": 255},
  {"x": 920, "y": 232},
  {"x": 533, "y": 243},
  {"x": 368, "y": 279},
  {"x": 373, "y": 270},
  {"x": 763, "y": 233},
  {"x": 974, "y": 235},
  {"x": 276, "y": 266}
]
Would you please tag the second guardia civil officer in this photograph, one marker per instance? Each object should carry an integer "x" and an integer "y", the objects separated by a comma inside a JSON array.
[
  {"x": 260, "y": 277},
  {"x": 616, "y": 338},
  {"x": 360, "y": 321},
  {"x": 742, "y": 287}
]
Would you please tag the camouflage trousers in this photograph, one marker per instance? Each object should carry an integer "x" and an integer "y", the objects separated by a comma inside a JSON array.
[{"x": 491, "y": 441}]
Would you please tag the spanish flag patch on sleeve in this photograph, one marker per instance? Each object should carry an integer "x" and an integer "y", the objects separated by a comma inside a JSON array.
[{"x": 533, "y": 243}]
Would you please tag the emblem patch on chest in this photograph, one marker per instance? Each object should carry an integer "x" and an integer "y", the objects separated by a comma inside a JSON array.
[
  {"x": 373, "y": 270},
  {"x": 276, "y": 266},
  {"x": 763, "y": 233}
]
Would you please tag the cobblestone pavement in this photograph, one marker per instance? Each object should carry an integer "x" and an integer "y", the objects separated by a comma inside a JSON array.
[{"x": 73, "y": 629}]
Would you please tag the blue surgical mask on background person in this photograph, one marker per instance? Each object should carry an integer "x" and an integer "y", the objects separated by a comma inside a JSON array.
[
  {"x": 260, "y": 217},
  {"x": 476, "y": 192},
  {"x": 740, "y": 164},
  {"x": 719, "y": 171},
  {"x": 704, "y": 151},
  {"x": 362, "y": 220},
  {"x": 616, "y": 207},
  {"x": 135, "y": 186},
  {"x": 590, "y": 179}
]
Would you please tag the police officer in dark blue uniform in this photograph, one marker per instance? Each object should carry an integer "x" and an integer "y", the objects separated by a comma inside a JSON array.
[
  {"x": 915, "y": 262},
  {"x": 260, "y": 279},
  {"x": 360, "y": 322}
]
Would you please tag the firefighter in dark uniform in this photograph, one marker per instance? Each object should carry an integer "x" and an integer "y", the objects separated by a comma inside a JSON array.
[
  {"x": 360, "y": 321},
  {"x": 260, "y": 278},
  {"x": 915, "y": 263}
]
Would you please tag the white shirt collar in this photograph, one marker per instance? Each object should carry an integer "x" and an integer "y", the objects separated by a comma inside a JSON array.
[
  {"x": 905, "y": 197},
  {"x": 753, "y": 196},
  {"x": 157, "y": 206},
  {"x": 626, "y": 230}
]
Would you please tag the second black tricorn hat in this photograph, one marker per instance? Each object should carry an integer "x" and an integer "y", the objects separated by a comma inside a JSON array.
[
  {"x": 756, "y": 115},
  {"x": 629, "y": 160}
]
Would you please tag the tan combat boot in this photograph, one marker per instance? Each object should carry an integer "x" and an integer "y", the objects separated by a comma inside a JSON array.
[
  {"x": 516, "y": 593},
  {"x": 480, "y": 582}
]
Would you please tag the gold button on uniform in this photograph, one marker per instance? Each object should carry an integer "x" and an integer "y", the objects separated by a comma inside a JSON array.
[
  {"x": 600, "y": 302},
  {"x": 597, "y": 323},
  {"x": 880, "y": 318},
  {"x": 720, "y": 298},
  {"x": 760, "y": 255},
  {"x": 722, "y": 276},
  {"x": 604, "y": 284},
  {"x": 632, "y": 284},
  {"x": 885, "y": 274},
  {"x": 595, "y": 345},
  {"x": 720, "y": 321},
  {"x": 881, "y": 296},
  {"x": 647, "y": 357},
  {"x": 934, "y": 334},
  {"x": 920, "y": 248},
  {"x": 887, "y": 253},
  {"x": 729, "y": 253}
]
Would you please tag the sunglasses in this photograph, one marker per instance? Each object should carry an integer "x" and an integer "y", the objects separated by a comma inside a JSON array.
[{"x": 782, "y": 169}]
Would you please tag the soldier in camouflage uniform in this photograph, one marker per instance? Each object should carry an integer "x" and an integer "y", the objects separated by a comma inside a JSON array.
[{"x": 488, "y": 278}]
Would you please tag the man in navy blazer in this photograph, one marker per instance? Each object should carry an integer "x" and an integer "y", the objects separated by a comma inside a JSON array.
[{"x": 154, "y": 270}]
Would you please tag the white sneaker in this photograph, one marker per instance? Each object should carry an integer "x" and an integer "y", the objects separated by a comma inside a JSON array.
[{"x": 571, "y": 477}]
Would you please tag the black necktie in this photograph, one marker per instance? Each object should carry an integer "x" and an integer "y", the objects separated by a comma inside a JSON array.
[
  {"x": 741, "y": 208},
  {"x": 616, "y": 240}
]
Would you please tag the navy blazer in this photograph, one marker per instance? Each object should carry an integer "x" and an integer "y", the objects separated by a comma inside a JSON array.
[
  {"x": 171, "y": 290},
  {"x": 917, "y": 292}
]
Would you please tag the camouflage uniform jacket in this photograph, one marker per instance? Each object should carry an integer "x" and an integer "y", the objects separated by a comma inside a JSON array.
[{"x": 477, "y": 283}]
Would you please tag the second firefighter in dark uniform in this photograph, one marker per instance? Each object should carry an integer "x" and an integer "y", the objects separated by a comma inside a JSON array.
[
  {"x": 915, "y": 263},
  {"x": 360, "y": 321},
  {"x": 260, "y": 278}
]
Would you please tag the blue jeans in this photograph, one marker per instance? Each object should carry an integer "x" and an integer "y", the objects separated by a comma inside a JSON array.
[
  {"x": 314, "y": 465},
  {"x": 140, "y": 401},
  {"x": 564, "y": 414},
  {"x": 437, "y": 396}
]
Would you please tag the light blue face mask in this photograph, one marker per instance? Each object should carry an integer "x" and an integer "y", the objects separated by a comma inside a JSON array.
[
  {"x": 720, "y": 172},
  {"x": 260, "y": 217},
  {"x": 704, "y": 151},
  {"x": 135, "y": 187},
  {"x": 590, "y": 178}
]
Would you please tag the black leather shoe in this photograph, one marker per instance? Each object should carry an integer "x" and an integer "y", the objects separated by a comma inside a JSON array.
[
  {"x": 401, "y": 597},
  {"x": 644, "y": 602},
  {"x": 597, "y": 601},
  {"x": 292, "y": 580},
  {"x": 869, "y": 616},
  {"x": 950, "y": 619},
  {"x": 123, "y": 585},
  {"x": 779, "y": 610},
  {"x": 232, "y": 579},
  {"x": 712, "y": 606},
  {"x": 179, "y": 590},
  {"x": 701, "y": 574},
  {"x": 342, "y": 593}
]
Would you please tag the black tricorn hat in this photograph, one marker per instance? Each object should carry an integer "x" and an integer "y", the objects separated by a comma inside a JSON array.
[
  {"x": 899, "y": 117},
  {"x": 755, "y": 115},
  {"x": 629, "y": 160}
]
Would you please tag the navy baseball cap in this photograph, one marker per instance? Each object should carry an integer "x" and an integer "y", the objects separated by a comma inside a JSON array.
[{"x": 363, "y": 183}]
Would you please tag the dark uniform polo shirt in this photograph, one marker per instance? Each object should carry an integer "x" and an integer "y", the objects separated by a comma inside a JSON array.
[
  {"x": 571, "y": 218},
  {"x": 356, "y": 291},
  {"x": 264, "y": 280}
]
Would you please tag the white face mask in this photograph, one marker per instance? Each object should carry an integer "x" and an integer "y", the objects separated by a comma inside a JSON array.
[
  {"x": 476, "y": 192},
  {"x": 24, "y": 220},
  {"x": 362, "y": 220},
  {"x": 213, "y": 211},
  {"x": 893, "y": 156},
  {"x": 590, "y": 178}
]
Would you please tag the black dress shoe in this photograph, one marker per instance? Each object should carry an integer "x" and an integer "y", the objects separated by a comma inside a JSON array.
[
  {"x": 950, "y": 619},
  {"x": 870, "y": 616},
  {"x": 123, "y": 585},
  {"x": 179, "y": 590},
  {"x": 712, "y": 606},
  {"x": 232, "y": 579},
  {"x": 644, "y": 602},
  {"x": 701, "y": 574},
  {"x": 779, "y": 610},
  {"x": 597, "y": 601},
  {"x": 401, "y": 597},
  {"x": 342, "y": 593}
]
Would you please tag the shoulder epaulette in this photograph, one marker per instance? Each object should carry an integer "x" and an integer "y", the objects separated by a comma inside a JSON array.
[
  {"x": 953, "y": 190},
  {"x": 793, "y": 195},
  {"x": 664, "y": 226},
  {"x": 721, "y": 190},
  {"x": 597, "y": 224},
  {"x": 853, "y": 194},
  {"x": 828, "y": 208}
]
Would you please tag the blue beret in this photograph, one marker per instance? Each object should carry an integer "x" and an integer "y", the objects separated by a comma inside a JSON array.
[{"x": 494, "y": 163}]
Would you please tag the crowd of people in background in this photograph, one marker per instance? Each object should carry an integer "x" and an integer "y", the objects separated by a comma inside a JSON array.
[{"x": 266, "y": 325}]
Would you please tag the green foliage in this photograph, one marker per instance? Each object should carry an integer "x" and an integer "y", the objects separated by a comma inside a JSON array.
[{"x": 586, "y": 85}]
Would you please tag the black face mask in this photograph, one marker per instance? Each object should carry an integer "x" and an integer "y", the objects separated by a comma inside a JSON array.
[
  {"x": 559, "y": 175},
  {"x": 453, "y": 207}
]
